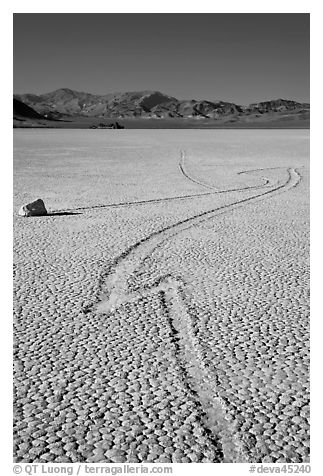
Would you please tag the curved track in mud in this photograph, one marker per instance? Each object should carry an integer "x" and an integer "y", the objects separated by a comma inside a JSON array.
[
  {"x": 183, "y": 169},
  {"x": 189, "y": 176},
  {"x": 170, "y": 290}
]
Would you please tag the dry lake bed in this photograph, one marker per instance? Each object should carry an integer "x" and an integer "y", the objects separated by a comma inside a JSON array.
[{"x": 161, "y": 308}]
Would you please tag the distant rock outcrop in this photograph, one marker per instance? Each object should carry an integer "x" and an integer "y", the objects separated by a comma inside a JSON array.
[
  {"x": 36, "y": 208},
  {"x": 113, "y": 125}
]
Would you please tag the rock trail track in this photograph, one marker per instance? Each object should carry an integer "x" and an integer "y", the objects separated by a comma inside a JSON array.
[
  {"x": 187, "y": 175},
  {"x": 126, "y": 264},
  {"x": 184, "y": 171},
  {"x": 115, "y": 286},
  {"x": 186, "y": 420}
]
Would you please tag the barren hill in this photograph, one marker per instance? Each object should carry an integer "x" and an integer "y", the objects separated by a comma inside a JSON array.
[{"x": 68, "y": 104}]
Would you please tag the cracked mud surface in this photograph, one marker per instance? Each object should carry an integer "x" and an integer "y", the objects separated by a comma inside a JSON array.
[{"x": 164, "y": 316}]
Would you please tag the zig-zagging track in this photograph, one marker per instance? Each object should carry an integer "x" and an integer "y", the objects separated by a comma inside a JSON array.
[{"x": 171, "y": 290}]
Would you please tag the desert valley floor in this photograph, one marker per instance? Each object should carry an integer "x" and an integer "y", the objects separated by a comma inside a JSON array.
[{"x": 161, "y": 309}]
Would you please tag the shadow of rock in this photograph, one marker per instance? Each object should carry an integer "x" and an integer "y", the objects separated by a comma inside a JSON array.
[{"x": 53, "y": 214}]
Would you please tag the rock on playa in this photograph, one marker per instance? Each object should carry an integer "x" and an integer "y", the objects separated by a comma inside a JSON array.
[{"x": 36, "y": 208}]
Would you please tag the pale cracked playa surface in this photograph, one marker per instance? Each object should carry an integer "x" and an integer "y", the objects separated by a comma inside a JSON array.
[{"x": 161, "y": 309}]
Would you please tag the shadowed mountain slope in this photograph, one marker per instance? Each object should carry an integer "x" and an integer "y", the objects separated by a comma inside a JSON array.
[{"x": 21, "y": 110}]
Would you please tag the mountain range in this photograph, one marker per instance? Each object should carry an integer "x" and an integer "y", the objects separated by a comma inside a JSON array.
[{"x": 66, "y": 104}]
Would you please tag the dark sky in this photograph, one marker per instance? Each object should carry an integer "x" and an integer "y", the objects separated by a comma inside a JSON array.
[{"x": 236, "y": 57}]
